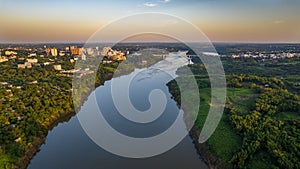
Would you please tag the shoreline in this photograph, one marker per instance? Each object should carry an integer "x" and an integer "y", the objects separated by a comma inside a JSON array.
[
  {"x": 36, "y": 144},
  {"x": 202, "y": 149},
  {"x": 24, "y": 161},
  {"x": 211, "y": 161}
]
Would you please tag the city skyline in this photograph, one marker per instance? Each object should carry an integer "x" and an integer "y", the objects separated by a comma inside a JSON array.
[{"x": 222, "y": 21}]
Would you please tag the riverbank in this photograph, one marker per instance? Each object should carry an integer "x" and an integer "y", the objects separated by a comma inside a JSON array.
[
  {"x": 57, "y": 150},
  {"x": 203, "y": 150},
  {"x": 34, "y": 147}
]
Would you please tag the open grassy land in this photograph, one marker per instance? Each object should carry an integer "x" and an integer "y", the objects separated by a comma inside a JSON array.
[
  {"x": 225, "y": 141},
  {"x": 260, "y": 127}
]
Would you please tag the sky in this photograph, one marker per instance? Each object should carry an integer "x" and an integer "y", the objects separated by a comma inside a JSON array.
[{"x": 219, "y": 20}]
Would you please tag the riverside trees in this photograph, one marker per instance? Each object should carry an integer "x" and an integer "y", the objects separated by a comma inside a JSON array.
[
  {"x": 266, "y": 121},
  {"x": 263, "y": 131}
]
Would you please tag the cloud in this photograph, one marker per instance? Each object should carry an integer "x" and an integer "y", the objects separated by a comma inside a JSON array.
[
  {"x": 156, "y": 3},
  {"x": 278, "y": 22},
  {"x": 150, "y": 4}
]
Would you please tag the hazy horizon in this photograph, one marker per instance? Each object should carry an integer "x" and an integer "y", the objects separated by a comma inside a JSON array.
[{"x": 266, "y": 21}]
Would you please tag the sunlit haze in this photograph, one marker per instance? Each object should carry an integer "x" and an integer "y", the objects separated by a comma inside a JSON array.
[{"x": 220, "y": 20}]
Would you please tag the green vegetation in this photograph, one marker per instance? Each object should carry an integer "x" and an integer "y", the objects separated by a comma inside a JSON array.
[
  {"x": 260, "y": 125},
  {"x": 28, "y": 109},
  {"x": 33, "y": 100}
]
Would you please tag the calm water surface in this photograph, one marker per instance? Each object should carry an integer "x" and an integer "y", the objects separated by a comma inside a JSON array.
[{"x": 67, "y": 145}]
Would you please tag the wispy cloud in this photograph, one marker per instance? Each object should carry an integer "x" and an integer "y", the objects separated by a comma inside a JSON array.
[
  {"x": 156, "y": 3},
  {"x": 166, "y": 1},
  {"x": 150, "y": 4},
  {"x": 278, "y": 22}
]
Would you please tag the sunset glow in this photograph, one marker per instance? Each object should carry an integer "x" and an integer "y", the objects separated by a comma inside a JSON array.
[{"x": 76, "y": 21}]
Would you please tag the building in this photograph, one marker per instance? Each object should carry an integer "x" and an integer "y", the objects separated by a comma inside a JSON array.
[
  {"x": 28, "y": 64},
  {"x": 235, "y": 56},
  {"x": 46, "y": 63},
  {"x": 32, "y": 54},
  {"x": 25, "y": 65},
  {"x": 57, "y": 67},
  {"x": 10, "y": 53},
  {"x": 3, "y": 83},
  {"x": 106, "y": 50},
  {"x": 33, "y": 82},
  {"x": 72, "y": 47},
  {"x": 90, "y": 51},
  {"x": 62, "y": 53},
  {"x": 47, "y": 50},
  {"x": 21, "y": 66},
  {"x": 113, "y": 54},
  {"x": 76, "y": 51},
  {"x": 106, "y": 61},
  {"x": 3, "y": 59},
  {"x": 13, "y": 57},
  {"x": 54, "y": 52},
  {"x": 83, "y": 57},
  {"x": 32, "y": 60}
]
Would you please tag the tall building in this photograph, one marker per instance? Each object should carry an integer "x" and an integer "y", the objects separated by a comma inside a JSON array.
[
  {"x": 72, "y": 47},
  {"x": 47, "y": 50},
  {"x": 76, "y": 51},
  {"x": 54, "y": 52}
]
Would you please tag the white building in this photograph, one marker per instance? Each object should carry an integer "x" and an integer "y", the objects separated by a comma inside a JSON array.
[
  {"x": 32, "y": 54},
  {"x": 32, "y": 60},
  {"x": 10, "y": 53},
  {"x": 3, "y": 59},
  {"x": 57, "y": 67}
]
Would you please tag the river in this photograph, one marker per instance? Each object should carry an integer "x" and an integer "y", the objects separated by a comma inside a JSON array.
[{"x": 68, "y": 146}]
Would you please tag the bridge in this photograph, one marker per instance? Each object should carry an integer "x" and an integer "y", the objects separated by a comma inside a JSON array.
[{"x": 188, "y": 57}]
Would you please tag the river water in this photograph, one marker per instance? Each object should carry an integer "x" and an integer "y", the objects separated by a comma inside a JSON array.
[{"x": 68, "y": 146}]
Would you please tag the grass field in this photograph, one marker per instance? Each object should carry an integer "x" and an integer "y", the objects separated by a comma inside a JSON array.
[
  {"x": 225, "y": 141},
  {"x": 242, "y": 98}
]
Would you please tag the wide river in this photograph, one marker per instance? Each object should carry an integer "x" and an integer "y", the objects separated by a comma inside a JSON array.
[{"x": 67, "y": 146}]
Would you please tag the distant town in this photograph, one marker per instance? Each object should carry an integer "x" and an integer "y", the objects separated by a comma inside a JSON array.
[
  {"x": 50, "y": 55},
  {"x": 61, "y": 58},
  {"x": 26, "y": 58}
]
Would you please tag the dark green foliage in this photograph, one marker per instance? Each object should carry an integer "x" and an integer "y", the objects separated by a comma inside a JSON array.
[{"x": 261, "y": 125}]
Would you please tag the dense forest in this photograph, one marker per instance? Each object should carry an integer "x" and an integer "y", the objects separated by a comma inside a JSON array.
[
  {"x": 34, "y": 100},
  {"x": 31, "y": 101},
  {"x": 260, "y": 125}
]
